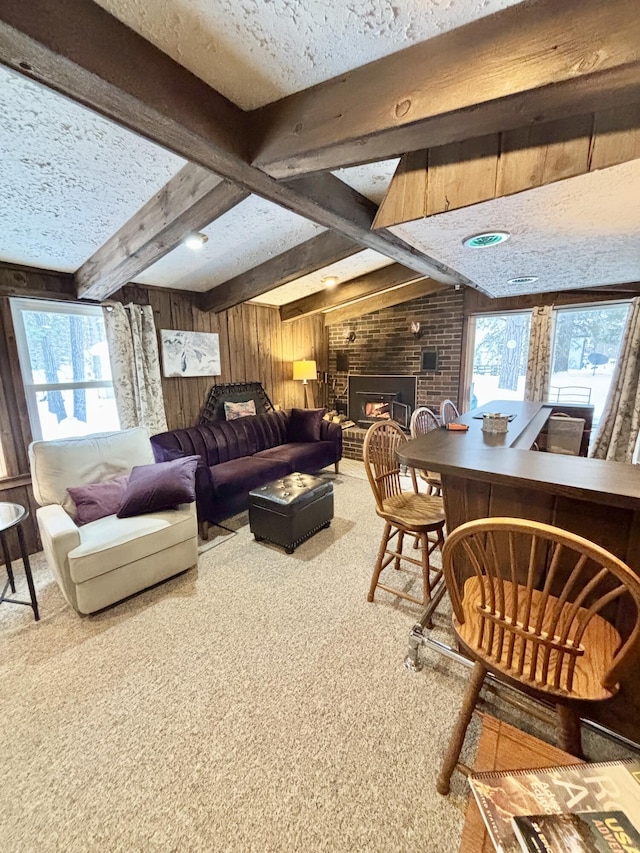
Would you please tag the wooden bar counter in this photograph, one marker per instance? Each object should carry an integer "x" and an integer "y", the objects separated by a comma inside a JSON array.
[{"x": 486, "y": 474}]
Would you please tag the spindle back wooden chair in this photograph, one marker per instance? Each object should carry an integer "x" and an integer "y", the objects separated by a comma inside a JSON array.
[
  {"x": 403, "y": 511},
  {"x": 534, "y": 605},
  {"x": 448, "y": 412},
  {"x": 423, "y": 420}
]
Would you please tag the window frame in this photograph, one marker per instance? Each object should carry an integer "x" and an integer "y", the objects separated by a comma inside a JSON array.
[
  {"x": 469, "y": 349},
  {"x": 32, "y": 389},
  {"x": 470, "y": 326}
]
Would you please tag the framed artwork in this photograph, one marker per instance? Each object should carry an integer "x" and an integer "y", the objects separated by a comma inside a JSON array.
[{"x": 190, "y": 353}]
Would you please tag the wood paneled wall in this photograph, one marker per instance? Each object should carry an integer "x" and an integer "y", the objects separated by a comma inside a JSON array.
[{"x": 254, "y": 346}]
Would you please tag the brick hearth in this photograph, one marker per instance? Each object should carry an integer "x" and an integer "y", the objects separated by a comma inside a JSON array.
[{"x": 352, "y": 441}]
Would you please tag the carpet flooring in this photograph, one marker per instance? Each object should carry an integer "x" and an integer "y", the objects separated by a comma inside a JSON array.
[{"x": 255, "y": 703}]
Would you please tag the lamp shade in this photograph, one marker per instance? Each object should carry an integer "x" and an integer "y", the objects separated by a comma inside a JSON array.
[{"x": 304, "y": 370}]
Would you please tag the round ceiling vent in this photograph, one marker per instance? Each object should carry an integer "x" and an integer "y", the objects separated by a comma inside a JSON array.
[
  {"x": 523, "y": 279},
  {"x": 489, "y": 238}
]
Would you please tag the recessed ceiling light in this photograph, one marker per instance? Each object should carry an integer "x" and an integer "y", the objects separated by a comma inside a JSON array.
[
  {"x": 486, "y": 239},
  {"x": 195, "y": 241},
  {"x": 329, "y": 280},
  {"x": 523, "y": 279}
]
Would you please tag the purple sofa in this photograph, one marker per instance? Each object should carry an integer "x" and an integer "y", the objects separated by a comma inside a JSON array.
[{"x": 239, "y": 455}]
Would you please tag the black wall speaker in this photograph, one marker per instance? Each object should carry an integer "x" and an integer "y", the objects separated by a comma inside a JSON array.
[
  {"x": 342, "y": 361},
  {"x": 429, "y": 359}
]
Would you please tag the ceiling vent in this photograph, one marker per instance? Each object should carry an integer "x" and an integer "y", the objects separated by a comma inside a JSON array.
[
  {"x": 489, "y": 238},
  {"x": 523, "y": 279}
]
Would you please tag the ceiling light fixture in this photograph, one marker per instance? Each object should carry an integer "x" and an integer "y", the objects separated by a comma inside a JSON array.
[
  {"x": 486, "y": 239},
  {"x": 195, "y": 241},
  {"x": 523, "y": 279},
  {"x": 329, "y": 280}
]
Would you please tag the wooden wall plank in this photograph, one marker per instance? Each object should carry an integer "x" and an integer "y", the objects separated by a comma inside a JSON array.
[
  {"x": 250, "y": 341},
  {"x": 277, "y": 360},
  {"x": 462, "y": 174},
  {"x": 14, "y": 390},
  {"x": 41, "y": 284},
  {"x": 236, "y": 344},
  {"x": 616, "y": 136},
  {"x": 225, "y": 354},
  {"x": 449, "y": 186},
  {"x": 406, "y": 196}
]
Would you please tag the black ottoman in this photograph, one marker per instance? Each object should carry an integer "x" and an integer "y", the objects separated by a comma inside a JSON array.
[{"x": 290, "y": 510}]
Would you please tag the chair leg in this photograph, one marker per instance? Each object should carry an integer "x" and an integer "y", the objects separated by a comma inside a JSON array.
[
  {"x": 396, "y": 562},
  {"x": 464, "y": 718},
  {"x": 378, "y": 567},
  {"x": 336, "y": 467},
  {"x": 569, "y": 732},
  {"x": 426, "y": 580}
]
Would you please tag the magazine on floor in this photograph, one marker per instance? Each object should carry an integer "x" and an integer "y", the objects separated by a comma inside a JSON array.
[
  {"x": 572, "y": 789},
  {"x": 584, "y": 832}
]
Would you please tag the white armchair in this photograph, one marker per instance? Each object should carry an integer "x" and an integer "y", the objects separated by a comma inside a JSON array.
[{"x": 109, "y": 559}]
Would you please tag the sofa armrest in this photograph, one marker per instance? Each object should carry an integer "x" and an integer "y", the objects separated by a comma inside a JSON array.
[
  {"x": 60, "y": 535},
  {"x": 332, "y": 432}
]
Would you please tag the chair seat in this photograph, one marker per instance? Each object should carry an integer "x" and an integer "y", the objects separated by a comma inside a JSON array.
[
  {"x": 412, "y": 511},
  {"x": 599, "y": 643},
  {"x": 111, "y": 542},
  {"x": 432, "y": 478}
]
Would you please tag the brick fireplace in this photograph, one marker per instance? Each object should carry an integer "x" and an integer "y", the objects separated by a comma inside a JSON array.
[{"x": 381, "y": 343}]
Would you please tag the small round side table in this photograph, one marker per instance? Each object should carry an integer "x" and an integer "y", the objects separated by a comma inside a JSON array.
[{"x": 12, "y": 515}]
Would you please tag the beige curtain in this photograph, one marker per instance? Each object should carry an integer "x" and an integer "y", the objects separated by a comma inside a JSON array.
[
  {"x": 135, "y": 366},
  {"x": 620, "y": 423},
  {"x": 536, "y": 385}
]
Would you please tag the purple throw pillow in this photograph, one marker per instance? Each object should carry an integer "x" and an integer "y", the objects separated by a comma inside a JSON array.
[
  {"x": 152, "y": 488},
  {"x": 97, "y": 500},
  {"x": 167, "y": 454},
  {"x": 304, "y": 424}
]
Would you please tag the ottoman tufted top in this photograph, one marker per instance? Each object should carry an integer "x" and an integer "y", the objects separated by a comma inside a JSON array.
[{"x": 292, "y": 491}]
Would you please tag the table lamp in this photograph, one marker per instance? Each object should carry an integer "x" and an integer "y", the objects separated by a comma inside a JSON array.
[{"x": 305, "y": 370}]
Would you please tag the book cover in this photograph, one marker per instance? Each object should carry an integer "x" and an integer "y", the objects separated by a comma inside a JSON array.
[
  {"x": 607, "y": 786},
  {"x": 584, "y": 832}
]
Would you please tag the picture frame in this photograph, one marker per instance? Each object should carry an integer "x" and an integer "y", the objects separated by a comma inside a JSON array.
[{"x": 190, "y": 353}]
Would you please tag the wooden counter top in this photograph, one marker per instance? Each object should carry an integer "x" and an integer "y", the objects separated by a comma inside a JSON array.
[{"x": 506, "y": 459}]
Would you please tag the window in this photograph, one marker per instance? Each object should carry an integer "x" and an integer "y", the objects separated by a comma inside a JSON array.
[
  {"x": 65, "y": 368},
  {"x": 498, "y": 351},
  {"x": 586, "y": 344}
]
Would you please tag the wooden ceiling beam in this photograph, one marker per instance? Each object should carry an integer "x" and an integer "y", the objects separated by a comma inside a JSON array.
[
  {"x": 312, "y": 255},
  {"x": 191, "y": 200},
  {"x": 79, "y": 50},
  {"x": 396, "y": 296},
  {"x": 531, "y": 63},
  {"x": 358, "y": 288}
]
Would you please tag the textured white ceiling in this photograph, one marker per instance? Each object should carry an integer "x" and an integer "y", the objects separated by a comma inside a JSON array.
[
  {"x": 357, "y": 265},
  {"x": 68, "y": 177},
  {"x": 249, "y": 234},
  {"x": 256, "y": 51},
  {"x": 372, "y": 179},
  {"x": 581, "y": 232}
]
